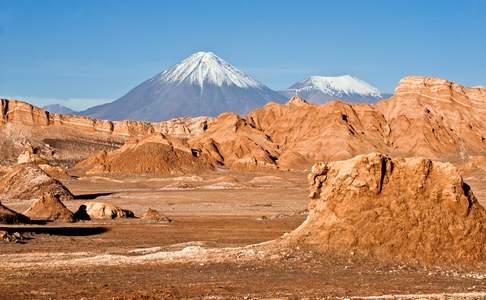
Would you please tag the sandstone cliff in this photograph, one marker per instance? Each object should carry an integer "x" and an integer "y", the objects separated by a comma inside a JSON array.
[{"x": 71, "y": 138}]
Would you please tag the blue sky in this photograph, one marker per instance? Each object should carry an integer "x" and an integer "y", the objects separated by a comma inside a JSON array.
[{"x": 84, "y": 52}]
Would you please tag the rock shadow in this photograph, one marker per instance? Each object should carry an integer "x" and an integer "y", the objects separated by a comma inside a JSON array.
[
  {"x": 91, "y": 196},
  {"x": 59, "y": 231}
]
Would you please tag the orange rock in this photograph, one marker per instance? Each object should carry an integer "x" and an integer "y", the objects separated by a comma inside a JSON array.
[{"x": 408, "y": 210}]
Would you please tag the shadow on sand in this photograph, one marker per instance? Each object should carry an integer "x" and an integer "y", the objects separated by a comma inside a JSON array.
[
  {"x": 63, "y": 231},
  {"x": 91, "y": 196}
]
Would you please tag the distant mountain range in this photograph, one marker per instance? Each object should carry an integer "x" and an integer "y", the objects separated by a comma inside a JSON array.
[
  {"x": 321, "y": 89},
  {"x": 205, "y": 85},
  {"x": 59, "y": 109},
  {"x": 202, "y": 84}
]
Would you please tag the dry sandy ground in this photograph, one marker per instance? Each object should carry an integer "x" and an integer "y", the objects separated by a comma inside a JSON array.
[{"x": 203, "y": 253}]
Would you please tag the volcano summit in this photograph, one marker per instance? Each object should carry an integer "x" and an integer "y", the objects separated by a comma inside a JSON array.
[{"x": 202, "y": 84}]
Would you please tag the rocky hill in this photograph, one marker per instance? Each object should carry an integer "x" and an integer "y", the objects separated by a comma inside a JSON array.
[
  {"x": 408, "y": 210},
  {"x": 156, "y": 154}
]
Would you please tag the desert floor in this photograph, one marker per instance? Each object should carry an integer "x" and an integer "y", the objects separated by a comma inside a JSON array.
[{"x": 121, "y": 259}]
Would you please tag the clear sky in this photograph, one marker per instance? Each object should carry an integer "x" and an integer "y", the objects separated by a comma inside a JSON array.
[{"x": 84, "y": 52}]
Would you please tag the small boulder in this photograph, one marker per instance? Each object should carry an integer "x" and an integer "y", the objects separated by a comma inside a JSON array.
[
  {"x": 153, "y": 215},
  {"x": 99, "y": 210}
]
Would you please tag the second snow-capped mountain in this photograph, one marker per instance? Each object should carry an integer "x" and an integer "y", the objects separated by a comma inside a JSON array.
[
  {"x": 202, "y": 84},
  {"x": 321, "y": 89}
]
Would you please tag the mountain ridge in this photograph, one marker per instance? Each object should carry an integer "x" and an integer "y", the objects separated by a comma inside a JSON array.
[{"x": 320, "y": 89}]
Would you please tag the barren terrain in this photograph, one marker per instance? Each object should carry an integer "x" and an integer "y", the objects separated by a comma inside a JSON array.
[
  {"x": 219, "y": 212},
  {"x": 294, "y": 200}
]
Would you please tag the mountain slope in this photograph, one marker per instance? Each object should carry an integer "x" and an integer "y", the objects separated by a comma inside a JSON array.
[
  {"x": 202, "y": 84},
  {"x": 59, "y": 109},
  {"x": 321, "y": 89}
]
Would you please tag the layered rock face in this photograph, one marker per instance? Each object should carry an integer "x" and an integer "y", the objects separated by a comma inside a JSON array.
[
  {"x": 72, "y": 138},
  {"x": 155, "y": 154},
  {"x": 436, "y": 118},
  {"x": 29, "y": 181},
  {"x": 409, "y": 210},
  {"x": 15, "y": 111}
]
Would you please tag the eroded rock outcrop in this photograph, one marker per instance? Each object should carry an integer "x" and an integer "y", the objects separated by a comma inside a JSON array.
[
  {"x": 49, "y": 208},
  {"x": 234, "y": 142},
  {"x": 28, "y": 181},
  {"x": 408, "y": 210},
  {"x": 153, "y": 215},
  {"x": 436, "y": 118}
]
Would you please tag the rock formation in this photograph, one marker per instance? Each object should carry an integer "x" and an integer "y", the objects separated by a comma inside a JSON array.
[
  {"x": 330, "y": 131},
  {"x": 98, "y": 210},
  {"x": 436, "y": 118},
  {"x": 408, "y": 210},
  {"x": 155, "y": 154},
  {"x": 153, "y": 215},
  {"x": 234, "y": 142},
  {"x": 49, "y": 208},
  {"x": 30, "y": 154},
  {"x": 28, "y": 181},
  {"x": 428, "y": 117},
  {"x": 8, "y": 216},
  {"x": 72, "y": 138}
]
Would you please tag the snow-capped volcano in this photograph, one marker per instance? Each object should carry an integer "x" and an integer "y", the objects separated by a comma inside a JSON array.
[
  {"x": 206, "y": 67},
  {"x": 321, "y": 89},
  {"x": 202, "y": 84}
]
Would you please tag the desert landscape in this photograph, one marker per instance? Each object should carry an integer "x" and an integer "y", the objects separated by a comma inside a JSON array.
[
  {"x": 242, "y": 149},
  {"x": 380, "y": 200}
]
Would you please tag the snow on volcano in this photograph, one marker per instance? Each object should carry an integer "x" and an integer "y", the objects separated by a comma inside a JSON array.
[
  {"x": 201, "y": 85},
  {"x": 321, "y": 89}
]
